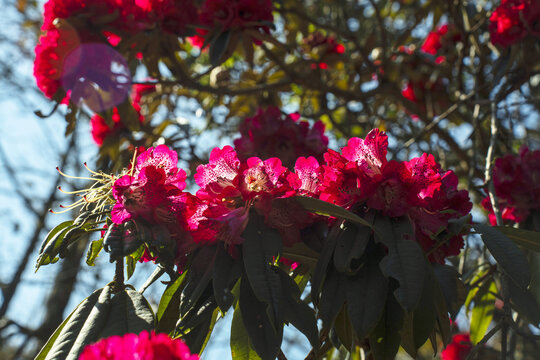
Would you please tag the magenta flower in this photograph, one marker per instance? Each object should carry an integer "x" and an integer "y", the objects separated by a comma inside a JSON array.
[
  {"x": 231, "y": 188},
  {"x": 144, "y": 346},
  {"x": 517, "y": 186},
  {"x": 458, "y": 349},
  {"x": 271, "y": 134},
  {"x": 512, "y": 20}
]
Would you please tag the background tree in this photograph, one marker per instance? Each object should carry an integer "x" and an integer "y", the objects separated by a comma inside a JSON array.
[{"x": 456, "y": 80}]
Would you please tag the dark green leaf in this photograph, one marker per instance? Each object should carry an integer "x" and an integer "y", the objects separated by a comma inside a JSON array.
[
  {"x": 51, "y": 244},
  {"x": 241, "y": 347},
  {"x": 93, "y": 251},
  {"x": 80, "y": 313},
  {"x": 262, "y": 245},
  {"x": 196, "y": 326},
  {"x": 199, "y": 277},
  {"x": 302, "y": 254},
  {"x": 344, "y": 328},
  {"x": 365, "y": 292},
  {"x": 351, "y": 245},
  {"x": 319, "y": 274},
  {"x": 332, "y": 297},
  {"x": 482, "y": 312},
  {"x": 226, "y": 272},
  {"x": 530, "y": 240},
  {"x": 525, "y": 303},
  {"x": 102, "y": 314},
  {"x": 443, "y": 321},
  {"x": 325, "y": 208},
  {"x": 453, "y": 289},
  {"x": 405, "y": 264},
  {"x": 218, "y": 47},
  {"x": 384, "y": 340},
  {"x": 129, "y": 313},
  {"x": 169, "y": 306},
  {"x": 264, "y": 335},
  {"x": 298, "y": 313},
  {"x": 509, "y": 257}
]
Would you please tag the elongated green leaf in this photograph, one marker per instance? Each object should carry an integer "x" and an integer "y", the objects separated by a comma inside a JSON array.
[
  {"x": 265, "y": 336},
  {"x": 219, "y": 47},
  {"x": 525, "y": 303},
  {"x": 332, "y": 297},
  {"x": 102, "y": 314},
  {"x": 350, "y": 247},
  {"x": 405, "y": 264},
  {"x": 298, "y": 313},
  {"x": 262, "y": 245},
  {"x": 384, "y": 340},
  {"x": 319, "y": 274},
  {"x": 241, "y": 347},
  {"x": 51, "y": 244},
  {"x": 226, "y": 273},
  {"x": 325, "y": 208},
  {"x": 510, "y": 258},
  {"x": 443, "y": 321},
  {"x": 453, "y": 289},
  {"x": 528, "y": 239},
  {"x": 169, "y": 305},
  {"x": 365, "y": 292},
  {"x": 129, "y": 313},
  {"x": 301, "y": 253},
  {"x": 199, "y": 277},
  {"x": 482, "y": 312},
  {"x": 81, "y": 311},
  {"x": 344, "y": 328},
  {"x": 93, "y": 251},
  {"x": 196, "y": 326}
]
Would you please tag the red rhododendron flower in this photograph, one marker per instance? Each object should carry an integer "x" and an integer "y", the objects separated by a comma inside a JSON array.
[
  {"x": 51, "y": 52},
  {"x": 230, "y": 188},
  {"x": 443, "y": 38},
  {"x": 515, "y": 178},
  {"x": 233, "y": 14},
  {"x": 325, "y": 49},
  {"x": 272, "y": 134},
  {"x": 144, "y": 346},
  {"x": 152, "y": 190},
  {"x": 418, "y": 189},
  {"x": 513, "y": 20},
  {"x": 172, "y": 15},
  {"x": 458, "y": 349}
]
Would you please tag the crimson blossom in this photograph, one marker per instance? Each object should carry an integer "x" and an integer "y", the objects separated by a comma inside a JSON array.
[
  {"x": 458, "y": 349},
  {"x": 144, "y": 346},
  {"x": 98, "y": 126},
  {"x": 516, "y": 179},
  {"x": 231, "y": 189},
  {"x": 513, "y": 20},
  {"x": 418, "y": 189},
  {"x": 270, "y": 133},
  {"x": 438, "y": 44},
  {"x": 238, "y": 15}
]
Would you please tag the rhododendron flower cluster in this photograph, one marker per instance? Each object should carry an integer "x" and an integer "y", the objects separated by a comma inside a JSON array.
[
  {"x": 418, "y": 189},
  {"x": 72, "y": 23},
  {"x": 270, "y": 133},
  {"x": 325, "y": 47},
  {"x": 516, "y": 179},
  {"x": 437, "y": 43},
  {"x": 152, "y": 190},
  {"x": 99, "y": 128},
  {"x": 458, "y": 349},
  {"x": 235, "y": 15},
  {"x": 144, "y": 346},
  {"x": 232, "y": 189},
  {"x": 513, "y": 20}
]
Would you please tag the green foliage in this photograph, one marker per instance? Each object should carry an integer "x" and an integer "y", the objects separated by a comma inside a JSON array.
[{"x": 104, "y": 313}]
